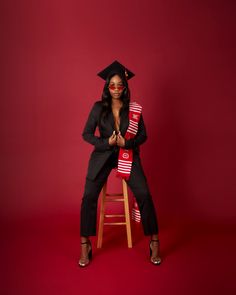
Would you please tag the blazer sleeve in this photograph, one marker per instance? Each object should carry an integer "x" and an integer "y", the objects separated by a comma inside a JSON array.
[
  {"x": 139, "y": 138},
  {"x": 100, "y": 143}
]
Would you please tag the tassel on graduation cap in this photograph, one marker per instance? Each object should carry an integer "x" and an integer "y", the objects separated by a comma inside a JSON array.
[{"x": 126, "y": 74}]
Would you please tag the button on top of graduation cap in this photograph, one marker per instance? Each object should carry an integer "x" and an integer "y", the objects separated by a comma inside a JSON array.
[{"x": 115, "y": 68}]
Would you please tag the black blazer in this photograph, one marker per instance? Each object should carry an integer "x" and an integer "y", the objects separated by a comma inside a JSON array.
[{"x": 102, "y": 149}]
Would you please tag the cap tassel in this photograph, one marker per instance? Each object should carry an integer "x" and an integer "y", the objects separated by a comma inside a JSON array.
[{"x": 126, "y": 75}]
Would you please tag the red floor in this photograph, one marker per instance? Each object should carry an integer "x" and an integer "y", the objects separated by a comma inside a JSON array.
[{"x": 39, "y": 256}]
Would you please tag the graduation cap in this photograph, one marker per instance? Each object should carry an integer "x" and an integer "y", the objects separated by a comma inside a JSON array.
[{"x": 115, "y": 68}]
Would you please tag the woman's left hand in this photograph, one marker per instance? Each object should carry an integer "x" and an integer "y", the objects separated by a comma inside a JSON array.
[{"x": 120, "y": 141}]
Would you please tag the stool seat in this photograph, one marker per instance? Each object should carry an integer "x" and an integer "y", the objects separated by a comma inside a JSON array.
[{"x": 116, "y": 197}]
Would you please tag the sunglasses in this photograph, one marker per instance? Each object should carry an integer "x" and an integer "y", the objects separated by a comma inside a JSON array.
[{"x": 119, "y": 87}]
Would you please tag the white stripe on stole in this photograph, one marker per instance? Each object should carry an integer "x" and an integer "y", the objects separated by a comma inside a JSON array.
[
  {"x": 125, "y": 161},
  {"x": 129, "y": 163},
  {"x": 135, "y": 111},
  {"x": 135, "y": 213},
  {"x": 135, "y": 104},
  {"x": 133, "y": 125},
  {"x": 132, "y": 122},
  {"x": 125, "y": 166},
  {"x": 133, "y": 129},
  {"x": 124, "y": 172},
  {"x": 131, "y": 132},
  {"x": 136, "y": 107}
]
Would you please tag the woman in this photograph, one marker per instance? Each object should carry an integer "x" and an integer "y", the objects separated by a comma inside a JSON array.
[{"x": 122, "y": 131}]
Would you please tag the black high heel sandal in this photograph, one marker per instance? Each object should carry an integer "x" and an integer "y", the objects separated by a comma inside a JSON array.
[
  {"x": 155, "y": 260},
  {"x": 82, "y": 262}
]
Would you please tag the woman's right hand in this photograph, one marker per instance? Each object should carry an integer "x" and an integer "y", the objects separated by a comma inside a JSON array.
[{"x": 112, "y": 139}]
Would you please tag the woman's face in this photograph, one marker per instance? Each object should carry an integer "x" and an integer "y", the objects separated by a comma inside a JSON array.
[{"x": 116, "y": 87}]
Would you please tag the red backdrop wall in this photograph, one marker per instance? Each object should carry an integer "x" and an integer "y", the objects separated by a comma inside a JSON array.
[{"x": 183, "y": 54}]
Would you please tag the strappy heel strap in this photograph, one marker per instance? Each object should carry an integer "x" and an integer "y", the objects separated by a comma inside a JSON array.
[
  {"x": 155, "y": 260},
  {"x": 88, "y": 242},
  {"x": 84, "y": 262}
]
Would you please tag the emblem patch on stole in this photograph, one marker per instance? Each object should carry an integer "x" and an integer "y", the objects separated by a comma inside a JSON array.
[
  {"x": 135, "y": 116},
  {"x": 125, "y": 155}
]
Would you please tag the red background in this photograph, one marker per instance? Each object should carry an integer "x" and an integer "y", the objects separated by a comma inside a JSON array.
[{"x": 183, "y": 54}]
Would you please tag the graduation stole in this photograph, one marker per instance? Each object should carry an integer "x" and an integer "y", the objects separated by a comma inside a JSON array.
[{"x": 125, "y": 158}]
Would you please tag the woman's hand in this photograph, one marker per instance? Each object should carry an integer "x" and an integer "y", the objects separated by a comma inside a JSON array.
[
  {"x": 112, "y": 139},
  {"x": 120, "y": 141}
]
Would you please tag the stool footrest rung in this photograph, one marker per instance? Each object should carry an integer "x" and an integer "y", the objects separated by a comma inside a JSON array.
[
  {"x": 115, "y": 195},
  {"x": 114, "y": 215},
  {"x": 114, "y": 223},
  {"x": 114, "y": 200}
]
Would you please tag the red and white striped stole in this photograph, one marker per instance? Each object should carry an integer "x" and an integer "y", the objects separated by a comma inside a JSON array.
[{"x": 125, "y": 158}]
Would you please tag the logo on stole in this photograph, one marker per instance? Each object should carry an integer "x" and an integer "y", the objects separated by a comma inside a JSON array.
[
  {"x": 125, "y": 155},
  {"x": 135, "y": 116}
]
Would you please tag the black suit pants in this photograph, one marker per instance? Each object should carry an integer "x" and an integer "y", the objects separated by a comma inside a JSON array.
[{"x": 138, "y": 185}]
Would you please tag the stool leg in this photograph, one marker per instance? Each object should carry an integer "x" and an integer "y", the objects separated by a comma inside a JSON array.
[
  {"x": 101, "y": 218},
  {"x": 127, "y": 215}
]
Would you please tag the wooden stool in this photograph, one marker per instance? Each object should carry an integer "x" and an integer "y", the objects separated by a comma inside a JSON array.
[{"x": 117, "y": 197}]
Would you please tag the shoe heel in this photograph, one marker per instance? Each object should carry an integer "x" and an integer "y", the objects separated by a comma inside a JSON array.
[{"x": 158, "y": 262}]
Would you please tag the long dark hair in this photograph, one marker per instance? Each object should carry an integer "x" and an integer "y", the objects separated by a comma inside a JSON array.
[{"x": 107, "y": 99}]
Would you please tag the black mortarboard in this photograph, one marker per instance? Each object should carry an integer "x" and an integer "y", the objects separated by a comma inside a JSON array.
[{"x": 115, "y": 68}]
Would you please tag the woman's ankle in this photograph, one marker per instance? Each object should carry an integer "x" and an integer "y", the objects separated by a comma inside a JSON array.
[
  {"x": 154, "y": 237},
  {"x": 84, "y": 239}
]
